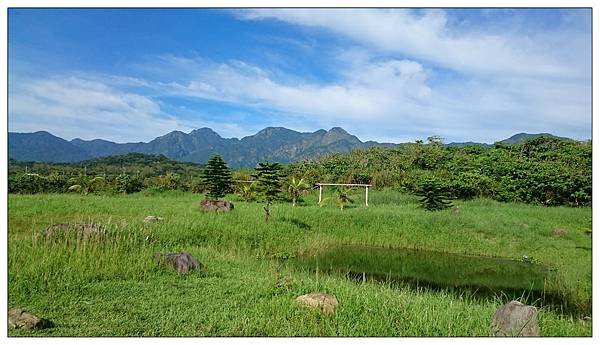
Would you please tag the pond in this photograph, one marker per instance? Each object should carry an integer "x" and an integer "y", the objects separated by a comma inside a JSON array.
[{"x": 479, "y": 276}]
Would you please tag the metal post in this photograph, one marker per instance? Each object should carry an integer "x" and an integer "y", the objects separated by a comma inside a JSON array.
[
  {"x": 367, "y": 196},
  {"x": 320, "y": 193}
]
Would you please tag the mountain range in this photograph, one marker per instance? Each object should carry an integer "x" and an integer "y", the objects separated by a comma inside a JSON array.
[{"x": 276, "y": 144}]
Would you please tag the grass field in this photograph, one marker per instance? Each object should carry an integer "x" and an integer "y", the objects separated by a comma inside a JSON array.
[{"x": 111, "y": 285}]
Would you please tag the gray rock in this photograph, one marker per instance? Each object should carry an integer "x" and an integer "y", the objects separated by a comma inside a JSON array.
[
  {"x": 19, "y": 318},
  {"x": 319, "y": 300},
  {"x": 516, "y": 319},
  {"x": 181, "y": 262},
  {"x": 216, "y": 205}
]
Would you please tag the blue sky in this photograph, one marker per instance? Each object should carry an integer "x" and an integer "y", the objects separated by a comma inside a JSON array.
[{"x": 382, "y": 74}]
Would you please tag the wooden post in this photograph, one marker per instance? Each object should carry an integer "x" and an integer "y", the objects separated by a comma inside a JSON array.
[
  {"x": 320, "y": 193},
  {"x": 367, "y": 196}
]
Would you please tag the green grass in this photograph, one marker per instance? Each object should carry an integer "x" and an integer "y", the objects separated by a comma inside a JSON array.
[{"x": 110, "y": 285}]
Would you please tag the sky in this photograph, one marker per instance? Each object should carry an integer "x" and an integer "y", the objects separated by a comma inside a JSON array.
[{"x": 390, "y": 75}]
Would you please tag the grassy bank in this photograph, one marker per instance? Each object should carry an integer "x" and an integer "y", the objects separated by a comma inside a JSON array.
[{"x": 110, "y": 285}]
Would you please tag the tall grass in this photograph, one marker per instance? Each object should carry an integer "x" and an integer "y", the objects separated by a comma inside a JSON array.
[{"x": 109, "y": 284}]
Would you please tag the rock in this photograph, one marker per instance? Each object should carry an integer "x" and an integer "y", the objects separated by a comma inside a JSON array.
[
  {"x": 19, "y": 318},
  {"x": 325, "y": 302},
  {"x": 516, "y": 319},
  {"x": 86, "y": 229},
  {"x": 216, "y": 205},
  {"x": 152, "y": 219},
  {"x": 182, "y": 262},
  {"x": 559, "y": 232}
]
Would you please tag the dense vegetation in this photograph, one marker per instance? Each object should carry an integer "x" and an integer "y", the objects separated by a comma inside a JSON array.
[
  {"x": 126, "y": 173},
  {"x": 542, "y": 170}
]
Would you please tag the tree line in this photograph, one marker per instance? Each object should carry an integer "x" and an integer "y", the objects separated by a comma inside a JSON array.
[{"x": 543, "y": 170}]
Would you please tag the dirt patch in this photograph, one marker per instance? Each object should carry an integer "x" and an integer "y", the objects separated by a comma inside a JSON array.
[{"x": 559, "y": 232}]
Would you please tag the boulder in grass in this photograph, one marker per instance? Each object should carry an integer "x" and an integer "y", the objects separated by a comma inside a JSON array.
[
  {"x": 559, "y": 232},
  {"x": 326, "y": 303},
  {"x": 216, "y": 205},
  {"x": 181, "y": 262},
  {"x": 516, "y": 319},
  {"x": 152, "y": 219},
  {"x": 86, "y": 229},
  {"x": 18, "y": 318}
]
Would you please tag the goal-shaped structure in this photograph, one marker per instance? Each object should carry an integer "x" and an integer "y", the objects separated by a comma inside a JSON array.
[{"x": 347, "y": 185}]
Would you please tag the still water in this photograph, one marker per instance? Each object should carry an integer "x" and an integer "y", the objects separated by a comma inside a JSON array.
[{"x": 479, "y": 276}]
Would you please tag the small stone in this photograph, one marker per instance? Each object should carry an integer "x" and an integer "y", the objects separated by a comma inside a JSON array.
[
  {"x": 559, "y": 232},
  {"x": 319, "y": 300},
  {"x": 216, "y": 205},
  {"x": 515, "y": 319},
  {"x": 152, "y": 219},
  {"x": 19, "y": 318},
  {"x": 181, "y": 262}
]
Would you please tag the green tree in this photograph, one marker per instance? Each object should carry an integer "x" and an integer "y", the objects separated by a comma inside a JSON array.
[
  {"x": 267, "y": 176},
  {"x": 217, "y": 177},
  {"x": 246, "y": 190},
  {"x": 295, "y": 187},
  {"x": 86, "y": 184},
  {"x": 434, "y": 196},
  {"x": 343, "y": 197},
  {"x": 127, "y": 184}
]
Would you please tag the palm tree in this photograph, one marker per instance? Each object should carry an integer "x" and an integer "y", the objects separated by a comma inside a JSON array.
[
  {"x": 247, "y": 190},
  {"x": 343, "y": 197},
  {"x": 85, "y": 184},
  {"x": 295, "y": 187}
]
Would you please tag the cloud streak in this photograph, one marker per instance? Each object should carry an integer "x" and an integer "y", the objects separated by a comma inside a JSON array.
[{"x": 430, "y": 37}]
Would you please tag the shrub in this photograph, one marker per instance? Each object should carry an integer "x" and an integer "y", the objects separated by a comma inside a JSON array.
[{"x": 434, "y": 195}]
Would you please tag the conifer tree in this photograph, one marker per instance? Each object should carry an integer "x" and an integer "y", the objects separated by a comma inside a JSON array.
[
  {"x": 217, "y": 177},
  {"x": 267, "y": 177},
  {"x": 434, "y": 196}
]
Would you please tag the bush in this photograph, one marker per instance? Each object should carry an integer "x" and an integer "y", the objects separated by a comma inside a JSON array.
[
  {"x": 434, "y": 195},
  {"x": 126, "y": 184}
]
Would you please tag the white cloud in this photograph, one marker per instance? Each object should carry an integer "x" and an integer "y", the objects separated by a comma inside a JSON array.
[
  {"x": 73, "y": 107},
  {"x": 374, "y": 90},
  {"x": 430, "y": 37},
  {"x": 382, "y": 98}
]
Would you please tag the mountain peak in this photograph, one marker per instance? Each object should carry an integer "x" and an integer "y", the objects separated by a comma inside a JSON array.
[
  {"x": 204, "y": 131},
  {"x": 339, "y": 130},
  {"x": 275, "y": 130},
  {"x": 521, "y": 137}
]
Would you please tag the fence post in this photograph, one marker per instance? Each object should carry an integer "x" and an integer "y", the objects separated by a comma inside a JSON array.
[
  {"x": 367, "y": 196},
  {"x": 320, "y": 193}
]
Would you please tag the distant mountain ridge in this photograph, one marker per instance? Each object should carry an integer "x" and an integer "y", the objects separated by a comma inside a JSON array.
[{"x": 276, "y": 144}]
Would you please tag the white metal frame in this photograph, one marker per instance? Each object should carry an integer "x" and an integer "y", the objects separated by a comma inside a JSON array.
[{"x": 345, "y": 184}]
